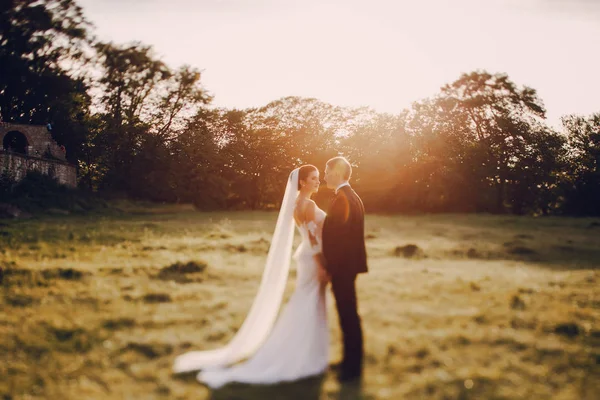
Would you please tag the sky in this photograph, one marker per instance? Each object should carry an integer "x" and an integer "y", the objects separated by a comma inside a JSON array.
[{"x": 384, "y": 54}]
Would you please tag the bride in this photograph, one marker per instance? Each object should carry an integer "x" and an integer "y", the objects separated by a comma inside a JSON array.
[{"x": 297, "y": 345}]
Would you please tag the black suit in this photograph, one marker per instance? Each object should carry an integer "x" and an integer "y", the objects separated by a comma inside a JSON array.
[{"x": 345, "y": 256}]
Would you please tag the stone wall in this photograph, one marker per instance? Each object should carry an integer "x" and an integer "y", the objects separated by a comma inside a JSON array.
[
  {"x": 39, "y": 143},
  {"x": 17, "y": 166},
  {"x": 39, "y": 139}
]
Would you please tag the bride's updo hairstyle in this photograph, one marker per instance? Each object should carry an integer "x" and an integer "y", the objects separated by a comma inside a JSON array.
[{"x": 303, "y": 173}]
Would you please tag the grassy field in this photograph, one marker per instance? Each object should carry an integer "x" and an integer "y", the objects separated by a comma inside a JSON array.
[{"x": 455, "y": 306}]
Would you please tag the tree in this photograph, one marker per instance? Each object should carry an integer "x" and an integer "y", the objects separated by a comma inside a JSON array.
[
  {"x": 265, "y": 144},
  {"x": 581, "y": 182},
  {"x": 141, "y": 96},
  {"x": 506, "y": 132},
  {"x": 198, "y": 164},
  {"x": 42, "y": 45}
]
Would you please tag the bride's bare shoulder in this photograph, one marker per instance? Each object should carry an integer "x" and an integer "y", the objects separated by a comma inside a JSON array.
[{"x": 305, "y": 210}]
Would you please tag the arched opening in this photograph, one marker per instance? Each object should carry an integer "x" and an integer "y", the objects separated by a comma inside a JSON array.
[{"x": 16, "y": 142}]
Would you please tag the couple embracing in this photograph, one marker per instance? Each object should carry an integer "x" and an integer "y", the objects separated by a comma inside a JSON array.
[{"x": 269, "y": 349}]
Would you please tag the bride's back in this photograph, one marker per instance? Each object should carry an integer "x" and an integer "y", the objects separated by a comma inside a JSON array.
[
  {"x": 309, "y": 222},
  {"x": 307, "y": 211}
]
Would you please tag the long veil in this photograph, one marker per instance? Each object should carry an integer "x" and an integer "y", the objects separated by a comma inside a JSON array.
[{"x": 262, "y": 314}]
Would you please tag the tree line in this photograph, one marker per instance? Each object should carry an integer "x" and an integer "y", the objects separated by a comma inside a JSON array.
[{"x": 135, "y": 126}]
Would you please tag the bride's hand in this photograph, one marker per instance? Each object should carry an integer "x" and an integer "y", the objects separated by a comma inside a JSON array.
[{"x": 323, "y": 276}]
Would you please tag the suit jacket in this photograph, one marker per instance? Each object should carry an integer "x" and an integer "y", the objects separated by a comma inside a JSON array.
[{"x": 344, "y": 247}]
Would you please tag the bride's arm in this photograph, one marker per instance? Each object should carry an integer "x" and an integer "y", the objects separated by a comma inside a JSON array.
[
  {"x": 314, "y": 227},
  {"x": 315, "y": 234}
]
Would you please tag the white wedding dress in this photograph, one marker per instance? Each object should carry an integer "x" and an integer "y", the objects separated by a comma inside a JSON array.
[
  {"x": 299, "y": 343},
  {"x": 267, "y": 349}
]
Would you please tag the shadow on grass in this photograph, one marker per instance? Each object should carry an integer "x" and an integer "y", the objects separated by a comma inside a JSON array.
[
  {"x": 305, "y": 389},
  {"x": 351, "y": 391},
  {"x": 556, "y": 257}
]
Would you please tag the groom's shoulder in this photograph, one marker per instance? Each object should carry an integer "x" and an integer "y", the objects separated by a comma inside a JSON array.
[
  {"x": 350, "y": 192},
  {"x": 354, "y": 198}
]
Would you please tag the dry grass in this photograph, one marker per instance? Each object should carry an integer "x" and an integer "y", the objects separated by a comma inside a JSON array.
[{"x": 455, "y": 307}]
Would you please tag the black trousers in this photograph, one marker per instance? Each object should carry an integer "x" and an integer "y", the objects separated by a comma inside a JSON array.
[{"x": 344, "y": 292}]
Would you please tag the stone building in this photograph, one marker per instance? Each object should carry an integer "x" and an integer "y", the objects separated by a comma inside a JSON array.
[{"x": 31, "y": 147}]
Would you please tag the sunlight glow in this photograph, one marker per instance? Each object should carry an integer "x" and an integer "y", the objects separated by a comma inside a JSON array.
[{"x": 380, "y": 53}]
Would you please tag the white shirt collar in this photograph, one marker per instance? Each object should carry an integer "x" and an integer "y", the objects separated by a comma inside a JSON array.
[{"x": 341, "y": 186}]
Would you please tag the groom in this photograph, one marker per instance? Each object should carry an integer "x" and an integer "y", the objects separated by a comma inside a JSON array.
[{"x": 345, "y": 257}]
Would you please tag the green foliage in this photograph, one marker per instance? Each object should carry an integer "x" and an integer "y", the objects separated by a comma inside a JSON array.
[
  {"x": 146, "y": 106},
  {"x": 261, "y": 146},
  {"x": 6, "y": 184},
  {"x": 581, "y": 180},
  {"x": 38, "y": 192}
]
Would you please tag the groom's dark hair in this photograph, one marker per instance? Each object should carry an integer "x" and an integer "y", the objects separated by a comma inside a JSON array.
[{"x": 341, "y": 163}]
